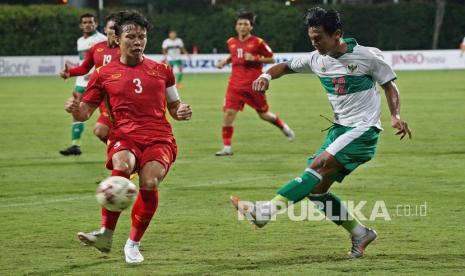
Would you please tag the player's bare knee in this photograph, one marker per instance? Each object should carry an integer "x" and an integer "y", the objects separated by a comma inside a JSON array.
[
  {"x": 149, "y": 183},
  {"x": 122, "y": 164},
  {"x": 101, "y": 133}
]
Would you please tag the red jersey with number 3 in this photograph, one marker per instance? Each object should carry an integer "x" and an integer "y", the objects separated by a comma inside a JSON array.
[
  {"x": 245, "y": 72},
  {"x": 137, "y": 99}
]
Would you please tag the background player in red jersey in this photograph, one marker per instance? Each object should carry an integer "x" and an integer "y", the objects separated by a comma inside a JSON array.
[
  {"x": 139, "y": 91},
  {"x": 248, "y": 53},
  {"x": 100, "y": 54}
]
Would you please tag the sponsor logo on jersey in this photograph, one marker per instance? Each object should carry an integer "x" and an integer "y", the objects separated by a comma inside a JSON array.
[
  {"x": 233, "y": 46},
  {"x": 116, "y": 76},
  {"x": 352, "y": 67},
  {"x": 99, "y": 49}
]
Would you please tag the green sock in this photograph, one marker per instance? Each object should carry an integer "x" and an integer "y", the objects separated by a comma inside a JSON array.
[
  {"x": 339, "y": 213},
  {"x": 179, "y": 77},
  {"x": 300, "y": 187},
  {"x": 76, "y": 132}
]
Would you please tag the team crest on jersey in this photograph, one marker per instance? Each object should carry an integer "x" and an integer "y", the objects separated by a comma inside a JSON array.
[
  {"x": 250, "y": 45},
  {"x": 352, "y": 67},
  {"x": 233, "y": 46},
  {"x": 153, "y": 72},
  {"x": 99, "y": 49},
  {"x": 116, "y": 76}
]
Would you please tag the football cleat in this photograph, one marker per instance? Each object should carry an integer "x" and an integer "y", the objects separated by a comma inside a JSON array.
[
  {"x": 289, "y": 133},
  {"x": 73, "y": 150},
  {"x": 132, "y": 253},
  {"x": 248, "y": 211},
  {"x": 98, "y": 239},
  {"x": 224, "y": 152},
  {"x": 360, "y": 244}
]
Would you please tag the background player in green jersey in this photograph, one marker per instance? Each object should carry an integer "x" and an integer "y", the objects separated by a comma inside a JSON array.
[
  {"x": 90, "y": 36},
  {"x": 172, "y": 48},
  {"x": 349, "y": 73}
]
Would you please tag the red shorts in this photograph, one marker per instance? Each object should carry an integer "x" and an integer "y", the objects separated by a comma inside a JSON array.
[
  {"x": 162, "y": 152},
  {"x": 236, "y": 98},
  {"x": 104, "y": 119}
]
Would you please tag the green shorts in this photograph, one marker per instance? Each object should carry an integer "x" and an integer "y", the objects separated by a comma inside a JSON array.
[
  {"x": 79, "y": 89},
  {"x": 176, "y": 62},
  {"x": 351, "y": 146}
]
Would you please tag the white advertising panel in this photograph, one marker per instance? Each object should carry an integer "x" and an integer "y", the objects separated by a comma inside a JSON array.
[{"x": 21, "y": 66}]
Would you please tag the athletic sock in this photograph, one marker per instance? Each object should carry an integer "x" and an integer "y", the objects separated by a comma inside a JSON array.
[
  {"x": 277, "y": 122},
  {"x": 227, "y": 133},
  {"x": 338, "y": 213},
  {"x": 300, "y": 187},
  {"x": 110, "y": 218},
  {"x": 142, "y": 213},
  {"x": 179, "y": 77},
  {"x": 76, "y": 132}
]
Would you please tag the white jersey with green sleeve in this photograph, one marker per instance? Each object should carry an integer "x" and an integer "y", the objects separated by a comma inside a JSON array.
[
  {"x": 83, "y": 46},
  {"x": 350, "y": 82},
  {"x": 173, "y": 48}
]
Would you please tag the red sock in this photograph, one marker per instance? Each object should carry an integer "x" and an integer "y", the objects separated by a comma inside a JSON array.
[
  {"x": 110, "y": 218},
  {"x": 227, "y": 133},
  {"x": 277, "y": 122},
  {"x": 142, "y": 213}
]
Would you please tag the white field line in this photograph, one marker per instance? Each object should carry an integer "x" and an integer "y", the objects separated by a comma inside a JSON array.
[{"x": 43, "y": 201}]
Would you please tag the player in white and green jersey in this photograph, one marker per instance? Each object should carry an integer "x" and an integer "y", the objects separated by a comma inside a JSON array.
[
  {"x": 173, "y": 48},
  {"x": 90, "y": 36},
  {"x": 349, "y": 73}
]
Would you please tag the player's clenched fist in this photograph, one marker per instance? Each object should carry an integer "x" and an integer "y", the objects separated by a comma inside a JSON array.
[
  {"x": 184, "y": 112},
  {"x": 65, "y": 73},
  {"x": 261, "y": 84}
]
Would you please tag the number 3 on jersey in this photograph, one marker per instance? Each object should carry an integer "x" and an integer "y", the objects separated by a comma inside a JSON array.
[{"x": 138, "y": 84}]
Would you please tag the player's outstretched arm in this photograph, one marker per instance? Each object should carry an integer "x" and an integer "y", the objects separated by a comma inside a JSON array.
[
  {"x": 81, "y": 111},
  {"x": 393, "y": 99},
  {"x": 180, "y": 111},
  {"x": 263, "y": 82},
  {"x": 222, "y": 63}
]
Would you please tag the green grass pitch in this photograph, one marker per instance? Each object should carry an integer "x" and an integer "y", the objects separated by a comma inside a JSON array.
[{"x": 45, "y": 199}]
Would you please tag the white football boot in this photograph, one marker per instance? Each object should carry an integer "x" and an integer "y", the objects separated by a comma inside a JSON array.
[
  {"x": 289, "y": 133},
  {"x": 132, "y": 253},
  {"x": 226, "y": 151},
  {"x": 248, "y": 211},
  {"x": 101, "y": 239},
  {"x": 360, "y": 244}
]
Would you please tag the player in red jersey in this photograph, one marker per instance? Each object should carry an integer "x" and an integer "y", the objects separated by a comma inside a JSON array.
[
  {"x": 248, "y": 53},
  {"x": 138, "y": 91},
  {"x": 100, "y": 54}
]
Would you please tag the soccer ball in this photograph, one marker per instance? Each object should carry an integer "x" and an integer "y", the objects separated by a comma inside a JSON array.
[{"x": 116, "y": 193}]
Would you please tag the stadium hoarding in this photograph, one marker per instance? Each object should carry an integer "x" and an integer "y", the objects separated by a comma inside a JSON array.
[{"x": 23, "y": 66}]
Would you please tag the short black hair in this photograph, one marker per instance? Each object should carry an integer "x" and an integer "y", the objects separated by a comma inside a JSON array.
[
  {"x": 110, "y": 17},
  {"x": 246, "y": 15},
  {"x": 130, "y": 17},
  {"x": 328, "y": 19},
  {"x": 87, "y": 15}
]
